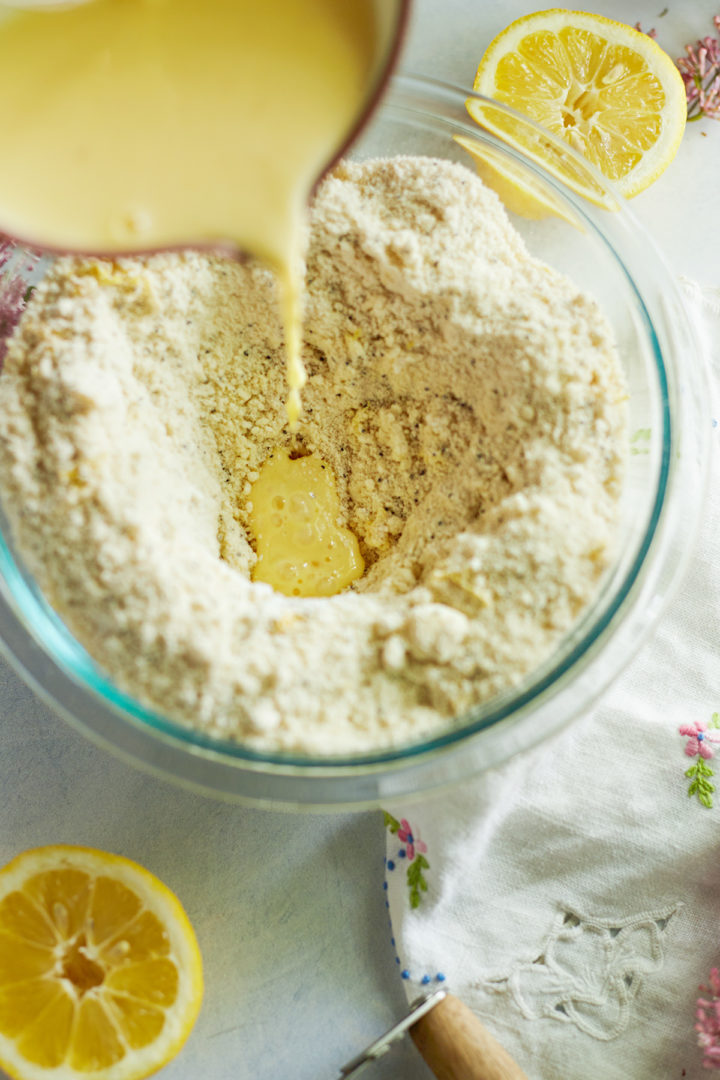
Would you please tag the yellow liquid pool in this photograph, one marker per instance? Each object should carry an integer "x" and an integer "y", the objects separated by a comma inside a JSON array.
[{"x": 303, "y": 549}]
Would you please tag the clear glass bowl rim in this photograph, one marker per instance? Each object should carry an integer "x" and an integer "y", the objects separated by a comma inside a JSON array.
[{"x": 120, "y": 707}]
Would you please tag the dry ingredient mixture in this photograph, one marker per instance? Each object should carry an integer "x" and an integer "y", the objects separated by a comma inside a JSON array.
[{"x": 467, "y": 397}]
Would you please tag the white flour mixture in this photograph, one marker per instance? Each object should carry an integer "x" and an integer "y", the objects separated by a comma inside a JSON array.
[{"x": 468, "y": 398}]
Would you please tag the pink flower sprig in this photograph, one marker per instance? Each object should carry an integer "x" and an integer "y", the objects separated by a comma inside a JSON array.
[
  {"x": 414, "y": 851},
  {"x": 699, "y": 738},
  {"x": 699, "y": 745},
  {"x": 708, "y": 1021},
  {"x": 410, "y": 839},
  {"x": 700, "y": 70}
]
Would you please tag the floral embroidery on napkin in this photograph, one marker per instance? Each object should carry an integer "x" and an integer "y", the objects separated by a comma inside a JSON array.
[
  {"x": 589, "y": 971},
  {"x": 699, "y": 745},
  {"x": 413, "y": 850}
]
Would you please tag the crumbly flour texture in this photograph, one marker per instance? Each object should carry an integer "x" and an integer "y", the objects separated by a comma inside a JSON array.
[{"x": 468, "y": 398}]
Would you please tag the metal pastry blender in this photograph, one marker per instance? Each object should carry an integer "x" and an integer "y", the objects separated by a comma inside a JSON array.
[{"x": 451, "y": 1039}]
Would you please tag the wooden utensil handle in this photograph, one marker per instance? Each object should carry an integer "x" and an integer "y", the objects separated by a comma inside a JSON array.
[{"x": 456, "y": 1046}]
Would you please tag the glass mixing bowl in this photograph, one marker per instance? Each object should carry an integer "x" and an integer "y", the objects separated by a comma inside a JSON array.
[{"x": 604, "y": 250}]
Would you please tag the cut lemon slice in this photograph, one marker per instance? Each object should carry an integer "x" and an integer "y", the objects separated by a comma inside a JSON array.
[
  {"x": 100, "y": 971},
  {"x": 606, "y": 89}
]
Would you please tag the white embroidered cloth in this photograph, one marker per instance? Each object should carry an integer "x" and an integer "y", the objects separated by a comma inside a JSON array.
[{"x": 573, "y": 895}]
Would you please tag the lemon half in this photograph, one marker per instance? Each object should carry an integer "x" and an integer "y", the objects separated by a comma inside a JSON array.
[
  {"x": 606, "y": 89},
  {"x": 100, "y": 971}
]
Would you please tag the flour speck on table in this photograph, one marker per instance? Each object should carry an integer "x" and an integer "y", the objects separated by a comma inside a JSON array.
[{"x": 468, "y": 398}]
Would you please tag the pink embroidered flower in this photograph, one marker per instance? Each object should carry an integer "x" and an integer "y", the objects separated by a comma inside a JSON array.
[
  {"x": 708, "y": 1022},
  {"x": 698, "y": 740},
  {"x": 411, "y": 840}
]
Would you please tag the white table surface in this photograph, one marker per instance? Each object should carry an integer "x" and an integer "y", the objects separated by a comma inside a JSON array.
[{"x": 289, "y": 909}]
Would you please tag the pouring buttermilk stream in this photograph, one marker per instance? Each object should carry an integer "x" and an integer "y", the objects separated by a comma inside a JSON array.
[{"x": 143, "y": 124}]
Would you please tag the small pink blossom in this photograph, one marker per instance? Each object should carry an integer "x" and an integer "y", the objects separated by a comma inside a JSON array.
[
  {"x": 650, "y": 33},
  {"x": 700, "y": 70},
  {"x": 411, "y": 839},
  {"x": 708, "y": 1022},
  {"x": 698, "y": 740},
  {"x": 14, "y": 292}
]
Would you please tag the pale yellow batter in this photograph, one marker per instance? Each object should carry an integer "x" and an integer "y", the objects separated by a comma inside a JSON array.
[
  {"x": 147, "y": 123},
  {"x": 301, "y": 548}
]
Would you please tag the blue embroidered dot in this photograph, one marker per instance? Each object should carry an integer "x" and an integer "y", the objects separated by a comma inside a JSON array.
[
  {"x": 385, "y": 885},
  {"x": 397, "y": 959},
  {"x": 390, "y": 864},
  {"x": 410, "y": 838},
  {"x": 700, "y": 736},
  {"x": 405, "y": 974},
  {"x": 402, "y": 853},
  {"x": 714, "y": 423},
  {"x": 439, "y": 977},
  {"x": 425, "y": 980},
  {"x": 392, "y": 940},
  {"x": 387, "y": 904}
]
